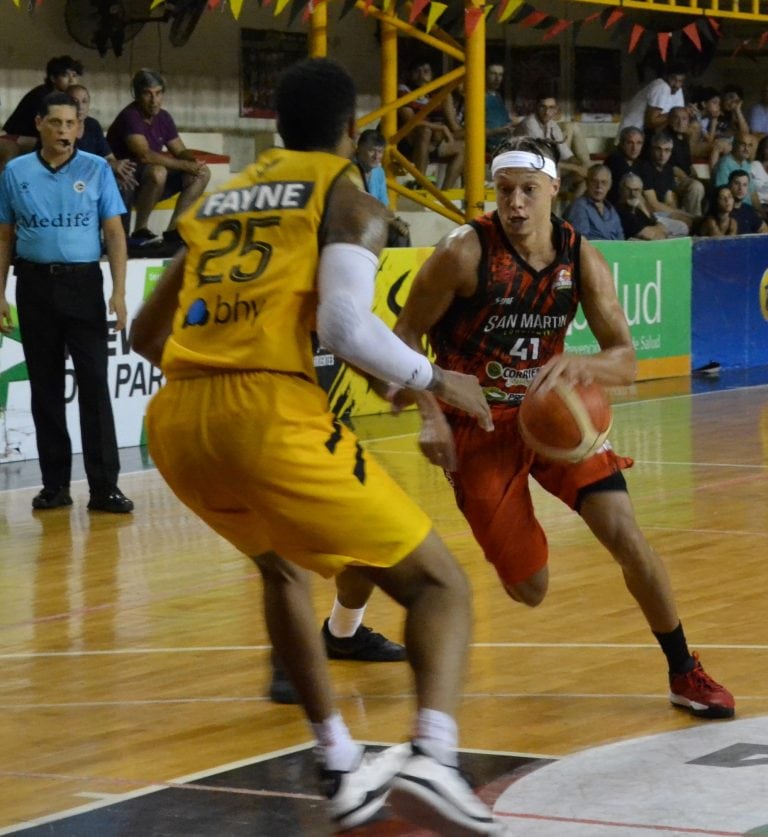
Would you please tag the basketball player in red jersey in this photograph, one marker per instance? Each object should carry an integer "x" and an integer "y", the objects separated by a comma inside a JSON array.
[{"x": 495, "y": 299}]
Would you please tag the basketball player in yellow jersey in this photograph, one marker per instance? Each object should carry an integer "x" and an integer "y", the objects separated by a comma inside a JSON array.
[{"x": 243, "y": 435}]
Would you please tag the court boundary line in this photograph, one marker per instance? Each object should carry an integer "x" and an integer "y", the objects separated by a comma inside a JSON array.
[{"x": 191, "y": 781}]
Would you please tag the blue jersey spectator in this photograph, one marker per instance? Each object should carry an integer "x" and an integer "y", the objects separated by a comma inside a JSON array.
[{"x": 369, "y": 155}]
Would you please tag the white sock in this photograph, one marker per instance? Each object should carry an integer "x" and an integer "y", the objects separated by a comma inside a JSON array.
[
  {"x": 344, "y": 621},
  {"x": 437, "y": 734},
  {"x": 335, "y": 746}
]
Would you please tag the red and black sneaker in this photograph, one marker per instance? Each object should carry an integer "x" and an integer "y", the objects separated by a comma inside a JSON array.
[{"x": 699, "y": 693}]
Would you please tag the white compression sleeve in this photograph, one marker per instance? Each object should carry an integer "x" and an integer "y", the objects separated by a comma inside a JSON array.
[{"x": 347, "y": 327}]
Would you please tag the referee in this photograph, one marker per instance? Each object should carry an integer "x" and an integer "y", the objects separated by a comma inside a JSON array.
[{"x": 55, "y": 202}]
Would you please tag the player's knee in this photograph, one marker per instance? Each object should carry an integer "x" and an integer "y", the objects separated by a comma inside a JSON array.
[
  {"x": 155, "y": 174},
  {"x": 631, "y": 550}
]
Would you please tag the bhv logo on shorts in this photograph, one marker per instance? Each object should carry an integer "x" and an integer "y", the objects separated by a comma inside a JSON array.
[{"x": 223, "y": 312}]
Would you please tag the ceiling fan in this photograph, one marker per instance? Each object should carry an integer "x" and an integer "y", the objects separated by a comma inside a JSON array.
[{"x": 105, "y": 24}]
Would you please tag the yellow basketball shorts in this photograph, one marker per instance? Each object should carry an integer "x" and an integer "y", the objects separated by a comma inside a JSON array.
[{"x": 259, "y": 457}]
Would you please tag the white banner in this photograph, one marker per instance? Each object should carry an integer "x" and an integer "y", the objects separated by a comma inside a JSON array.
[{"x": 132, "y": 380}]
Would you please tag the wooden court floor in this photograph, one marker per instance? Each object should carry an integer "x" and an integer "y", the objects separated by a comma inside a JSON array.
[{"x": 134, "y": 652}]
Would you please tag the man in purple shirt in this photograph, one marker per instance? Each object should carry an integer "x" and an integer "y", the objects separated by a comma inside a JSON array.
[{"x": 146, "y": 133}]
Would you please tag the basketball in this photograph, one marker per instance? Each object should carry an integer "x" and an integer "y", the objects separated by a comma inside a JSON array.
[{"x": 566, "y": 422}]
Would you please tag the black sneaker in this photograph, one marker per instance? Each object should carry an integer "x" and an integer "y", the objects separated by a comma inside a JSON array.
[
  {"x": 143, "y": 238},
  {"x": 281, "y": 690},
  {"x": 52, "y": 498},
  {"x": 364, "y": 645},
  {"x": 711, "y": 369},
  {"x": 173, "y": 237},
  {"x": 115, "y": 502}
]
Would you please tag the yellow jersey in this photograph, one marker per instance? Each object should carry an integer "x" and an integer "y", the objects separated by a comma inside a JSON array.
[{"x": 249, "y": 295}]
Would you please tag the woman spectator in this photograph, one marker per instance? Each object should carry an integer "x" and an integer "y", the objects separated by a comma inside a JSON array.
[{"x": 718, "y": 221}]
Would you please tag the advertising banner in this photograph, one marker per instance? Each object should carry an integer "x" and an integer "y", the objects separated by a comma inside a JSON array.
[
  {"x": 653, "y": 281},
  {"x": 730, "y": 301},
  {"x": 132, "y": 380}
]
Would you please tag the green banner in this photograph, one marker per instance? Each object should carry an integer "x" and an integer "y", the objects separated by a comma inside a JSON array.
[{"x": 653, "y": 283}]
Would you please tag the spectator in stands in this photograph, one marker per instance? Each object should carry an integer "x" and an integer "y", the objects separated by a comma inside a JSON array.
[
  {"x": 732, "y": 99},
  {"x": 649, "y": 107},
  {"x": 146, "y": 133},
  {"x": 711, "y": 137},
  {"x": 719, "y": 221},
  {"x": 758, "y": 114},
  {"x": 498, "y": 119},
  {"x": 659, "y": 185},
  {"x": 369, "y": 156},
  {"x": 747, "y": 217},
  {"x": 432, "y": 139},
  {"x": 688, "y": 188},
  {"x": 20, "y": 131},
  {"x": 637, "y": 218},
  {"x": 591, "y": 214},
  {"x": 740, "y": 158},
  {"x": 759, "y": 172},
  {"x": 543, "y": 124},
  {"x": 625, "y": 159},
  {"x": 91, "y": 138}
]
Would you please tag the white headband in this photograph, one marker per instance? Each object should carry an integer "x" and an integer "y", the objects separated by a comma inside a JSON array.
[{"x": 523, "y": 160}]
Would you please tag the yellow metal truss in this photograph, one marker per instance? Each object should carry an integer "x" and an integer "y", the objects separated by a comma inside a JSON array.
[{"x": 754, "y": 10}]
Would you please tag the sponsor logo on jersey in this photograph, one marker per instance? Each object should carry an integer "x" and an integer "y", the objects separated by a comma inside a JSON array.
[
  {"x": 764, "y": 295},
  {"x": 222, "y": 312},
  {"x": 512, "y": 377},
  {"x": 280, "y": 194},
  {"x": 79, "y": 186},
  {"x": 525, "y": 322},
  {"x": 563, "y": 280},
  {"x": 61, "y": 219}
]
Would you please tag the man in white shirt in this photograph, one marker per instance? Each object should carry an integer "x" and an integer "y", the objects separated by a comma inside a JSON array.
[
  {"x": 542, "y": 124},
  {"x": 648, "y": 108}
]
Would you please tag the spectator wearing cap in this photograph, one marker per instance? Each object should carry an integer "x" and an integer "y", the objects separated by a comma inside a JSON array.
[
  {"x": 145, "y": 132},
  {"x": 20, "y": 131}
]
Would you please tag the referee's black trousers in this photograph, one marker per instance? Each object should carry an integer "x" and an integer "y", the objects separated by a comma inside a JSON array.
[{"x": 59, "y": 311}]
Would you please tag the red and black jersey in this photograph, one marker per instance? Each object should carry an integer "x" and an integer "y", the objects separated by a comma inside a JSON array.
[{"x": 517, "y": 318}]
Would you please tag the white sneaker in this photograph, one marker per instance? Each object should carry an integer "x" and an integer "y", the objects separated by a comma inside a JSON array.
[
  {"x": 435, "y": 796},
  {"x": 357, "y": 795}
]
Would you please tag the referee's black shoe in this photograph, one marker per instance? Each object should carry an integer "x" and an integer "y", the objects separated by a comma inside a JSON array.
[
  {"x": 114, "y": 501},
  {"x": 52, "y": 498}
]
